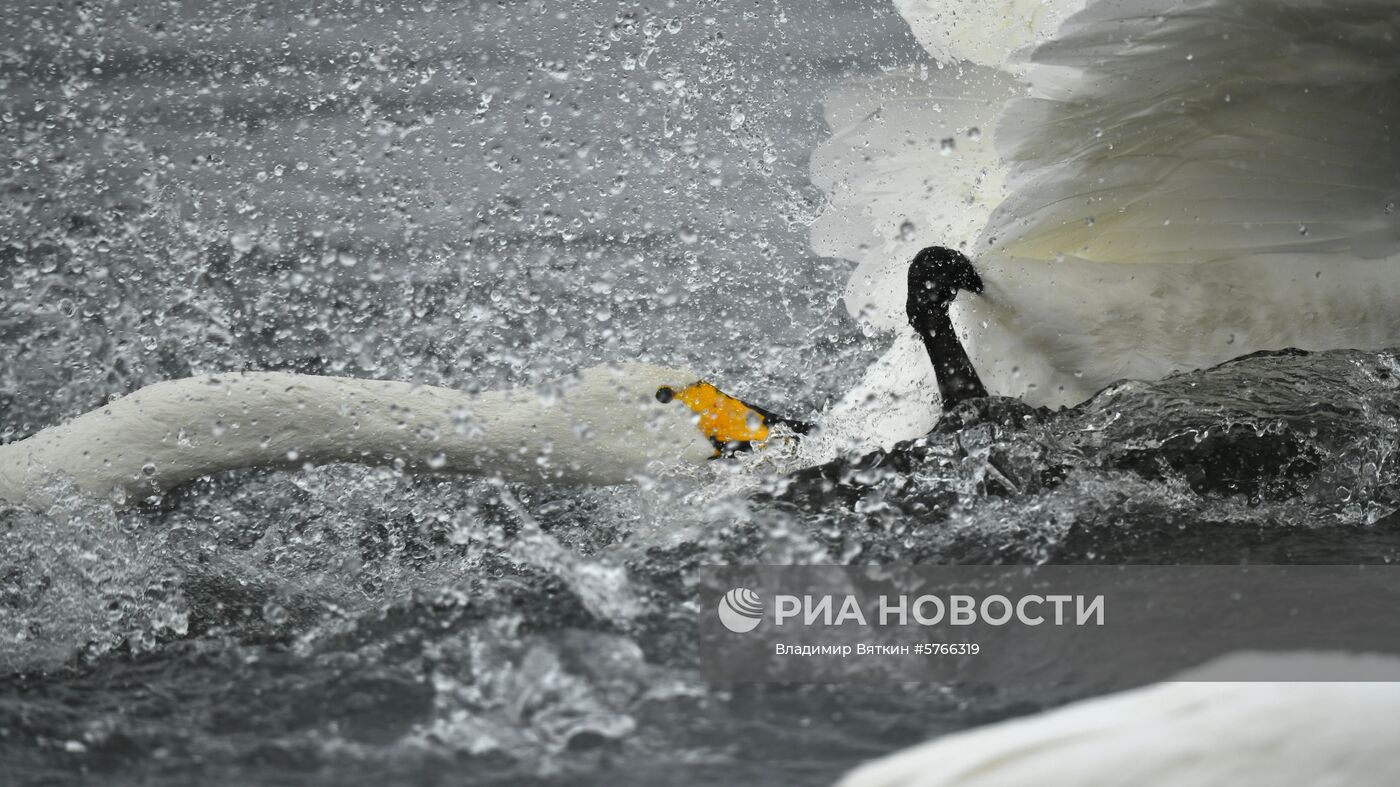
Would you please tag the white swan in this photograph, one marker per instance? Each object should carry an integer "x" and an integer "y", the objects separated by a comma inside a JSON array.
[
  {"x": 1205, "y": 730},
  {"x": 1172, "y": 183},
  {"x": 1188, "y": 181},
  {"x": 605, "y": 425}
]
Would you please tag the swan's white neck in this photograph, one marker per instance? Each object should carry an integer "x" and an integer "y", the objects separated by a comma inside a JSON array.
[{"x": 603, "y": 426}]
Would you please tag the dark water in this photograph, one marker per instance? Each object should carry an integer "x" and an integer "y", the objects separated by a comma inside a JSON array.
[
  {"x": 444, "y": 630},
  {"x": 199, "y": 187}
]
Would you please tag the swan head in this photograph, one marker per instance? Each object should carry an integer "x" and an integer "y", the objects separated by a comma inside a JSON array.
[
  {"x": 730, "y": 423},
  {"x": 936, "y": 276}
]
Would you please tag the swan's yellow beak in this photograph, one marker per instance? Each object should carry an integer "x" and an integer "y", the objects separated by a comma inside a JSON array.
[{"x": 730, "y": 423}]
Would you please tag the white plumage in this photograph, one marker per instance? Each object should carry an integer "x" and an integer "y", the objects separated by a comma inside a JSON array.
[
  {"x": 1176, "y": 183},
  {"x": 1207, "y": 729},
  {"x": 602, "y": 426},
  {"x": 990, "y": 32}
]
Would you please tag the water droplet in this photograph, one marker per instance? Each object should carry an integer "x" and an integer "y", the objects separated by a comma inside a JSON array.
[
  {"x": 906, "y": 230},
  {"x": 275, "y": 613},
  {"x": 946, "y": 146},
  {"x": 557, "y": 70}
]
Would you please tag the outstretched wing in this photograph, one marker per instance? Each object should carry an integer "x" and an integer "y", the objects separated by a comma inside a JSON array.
[
  {"x": 1189, "y": 181},
  {"x": 1201, "y": 131}
]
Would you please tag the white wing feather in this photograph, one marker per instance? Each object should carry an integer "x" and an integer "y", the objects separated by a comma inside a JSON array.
[{"x": 1193, "y": 180}]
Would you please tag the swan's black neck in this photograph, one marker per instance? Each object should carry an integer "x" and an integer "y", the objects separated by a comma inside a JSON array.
[
  {"x": 936, "y": 276},
  {"x": 957, "y": 378}
]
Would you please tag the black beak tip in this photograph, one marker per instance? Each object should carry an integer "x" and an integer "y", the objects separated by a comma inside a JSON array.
[{"x": 974, "y": 283}]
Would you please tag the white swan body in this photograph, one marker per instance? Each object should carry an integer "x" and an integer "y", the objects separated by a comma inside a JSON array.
[
  {"x": 1174, "y": 183},
  {"x": 1188, "y": 733},
  {"x": 604, "y": 426}
]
